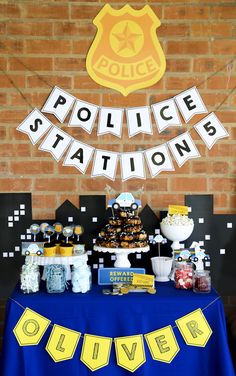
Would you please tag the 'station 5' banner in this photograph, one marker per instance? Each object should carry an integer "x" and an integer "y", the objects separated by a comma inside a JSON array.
[
  {"x": 57, "y": 142},
  {"x": 95, "y": 353}
]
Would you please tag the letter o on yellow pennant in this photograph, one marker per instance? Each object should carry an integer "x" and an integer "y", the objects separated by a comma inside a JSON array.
[{"x": 30, "y": 328}]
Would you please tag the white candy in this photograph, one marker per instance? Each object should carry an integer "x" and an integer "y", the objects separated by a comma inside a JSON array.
[{"x": 177, "y": 219}]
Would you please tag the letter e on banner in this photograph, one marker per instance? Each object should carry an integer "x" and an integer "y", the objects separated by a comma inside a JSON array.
[
  {"x": 190, "y": 103},
  {"x": 194, "y": 328},
  {"x": 130, "y": 352},
  {"x": 59, "y": 103},
  {"x": 62, "y": 343},
  {"x": 183, "y": 148},
  {"x": 30, "y": 328},
  {"x": 210, "y": 130},
  {"x": 96, "y": 351},
  {"x": 35, "y": 126},
  {"x": 162, "y": 344}
]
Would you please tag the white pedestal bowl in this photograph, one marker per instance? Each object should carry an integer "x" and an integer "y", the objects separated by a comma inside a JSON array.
[{"x": 176, "y": 233}]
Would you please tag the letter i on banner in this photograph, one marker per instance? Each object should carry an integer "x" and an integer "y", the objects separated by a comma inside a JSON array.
[
  {"x": 162, "y": 344},
  {"x": 190, "y": 103},
  {"x": 83, "y": 115},
  {"x": 183, "y": 148},
  {"x": 132, "y": 165},
  {"x": 56, "y": 142},
  {"x": 210, "y": 130},
  {"x": 35, "y": 126},
  {"x": 30, "y": 328},
  {"x": 194, "y": 328},
  {"x": 62, "y": 343},
  {"x": 59, "y": 103},
  {"x": 105, "y": 164},
  {"x": 139, "y": 120},
  {"x": 130, "y": 352},
  {"x": 96, "y": 351}
]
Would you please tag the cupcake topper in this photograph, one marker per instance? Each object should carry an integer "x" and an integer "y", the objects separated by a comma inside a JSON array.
[
  {"x": 159, "y": 239},
  {"x": 67, "y": 232},
  {"x": 34, "y": 229},
  {"x": 78, "y": 230},
  {"x": 58, "y": 229},
  {"x": 49, "y": 231},
  {"x": 42, "y": 228}
]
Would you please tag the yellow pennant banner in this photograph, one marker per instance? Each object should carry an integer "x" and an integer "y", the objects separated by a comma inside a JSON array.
[
  {"x": 194, "y": 328},
  {"x": 30, "y": 328},
  {"x": 162, "y": 344},
  {"x": 62, "y": 343},
  {"x": 130, "y": 352},
  {"x": 96, "y": 351}
]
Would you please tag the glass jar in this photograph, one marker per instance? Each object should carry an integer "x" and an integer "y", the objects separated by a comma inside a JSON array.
[
  {"x": 202, "y": 281},
  {"x": 55, "y": 278},
  {"x": 184, "y": 275},
  {"x": 29, "y": 278},
  {"x": 81, "y": 278}
]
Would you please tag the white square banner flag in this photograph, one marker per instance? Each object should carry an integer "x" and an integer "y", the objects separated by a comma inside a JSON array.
[
  {"x": 183, "y": 148},
  {"x": 139, "y": 120},
  {"x": 210, "y": 130},
  {"x": 35, "y": 126},
  {"x": 59, "y": 103},
  {"x": 105, "y": 164},
  {"x": 79, "y": 155},
  {"x": 56, "y": 142},
  {"x": 190, "y": 103},
  {"x": 166, "y": 114},
  {"x": 158, "y": 159},
  {"x": 110, "y": 121},
  {"x": 132, "y": 165},
  {"x": 83, "y": 115}
]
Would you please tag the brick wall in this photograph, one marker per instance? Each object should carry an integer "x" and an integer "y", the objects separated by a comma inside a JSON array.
[{"x": 45, "y": 43}]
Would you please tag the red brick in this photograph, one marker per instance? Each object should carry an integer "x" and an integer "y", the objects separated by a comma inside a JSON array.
[
  {"x": 3, "y": 99},
  {"x": 223, "y": 12},
  {"x": 152, "y": 185},
  {"x": 74, "y": 29},
  {"x": 46, "y": 12},
  {"x": 45, "y": 81},
  {"x": 3, "y": 167},
  {"x": 3, "y": 133},
  {"x": 226, "y": 116},
  {"x": 211, "y": 30},
  {"x": 16, "y": 185},
  {"x": 187, "y": 12},
  {"x": 34, "y": 99},
  {"x": 29, "y": 28},
  {"x": 69, "y": 64},
  {"x": 161, "y": 201},
  {"x": 9, "y": 116},
  {"x": 74, "y": 199},
  {"x": 233, "y": 202},
  {"x": 223, "y": 46},
  {"x": 206, "y": 167},
  {"x": 40, "y": 213},
  {"x": 223, "y": 150},
  {"x": 221, "y": 82},
  {"x": 48, "y": 46},
  {"x": 209, "y": 64},
  {"x": 118, "y": 100},
  {"x": 220, "y": 200},
  {"x": 43, "y": 201},
  {"x": 223, "y": 184},
  {"x": 33, "y": 167},
  {"x": 176, "y": 30},
  {"x": 9, "y": 150},
  {"x": 188, "y": 184},
  {"x": 30, "y": 63},
  {"x": 99, "y": 184},
  {"x": 7, "y": 81},
  {"x": 9, "y": 11},
  {"x": 183, "y": 82},
  {"x": 178, "y": 65},
  {"x": 84, "y": 12},
  {"x": 11, "y": 46},
  {"x": 81, "y": 47},
  {"x": 85, "y": 82},
  {"x": 187, "y": 47},
  {"x": 55, "y": 184},
  {"x": 2, "y": 28}
]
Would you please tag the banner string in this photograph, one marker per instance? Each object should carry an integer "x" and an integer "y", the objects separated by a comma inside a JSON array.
[{"x": 173, "y": 326}]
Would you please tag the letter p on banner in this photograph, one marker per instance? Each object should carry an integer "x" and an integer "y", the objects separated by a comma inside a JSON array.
[
  {"x": 30, "y": 328},
  {"x": 194, "y": 328}
]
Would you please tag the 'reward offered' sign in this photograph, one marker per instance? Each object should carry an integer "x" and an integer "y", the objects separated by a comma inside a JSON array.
[{"x": 126, "y": 54}]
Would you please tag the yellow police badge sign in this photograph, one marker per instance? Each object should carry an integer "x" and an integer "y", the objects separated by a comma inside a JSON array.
[{"x": 126, "y": 54}]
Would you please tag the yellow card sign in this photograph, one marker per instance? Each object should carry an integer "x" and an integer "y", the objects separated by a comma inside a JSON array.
[
  {"x": 96, "y": 351},
  {"x": 126, "y": 54},
  {"x": 143, "y": 280},
  {"x": 178, "y": 209},
  {"x": 130, "y": 352}
]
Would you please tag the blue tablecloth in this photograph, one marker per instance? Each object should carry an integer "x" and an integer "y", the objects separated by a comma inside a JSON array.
[{"x": 116, "y": 316}]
